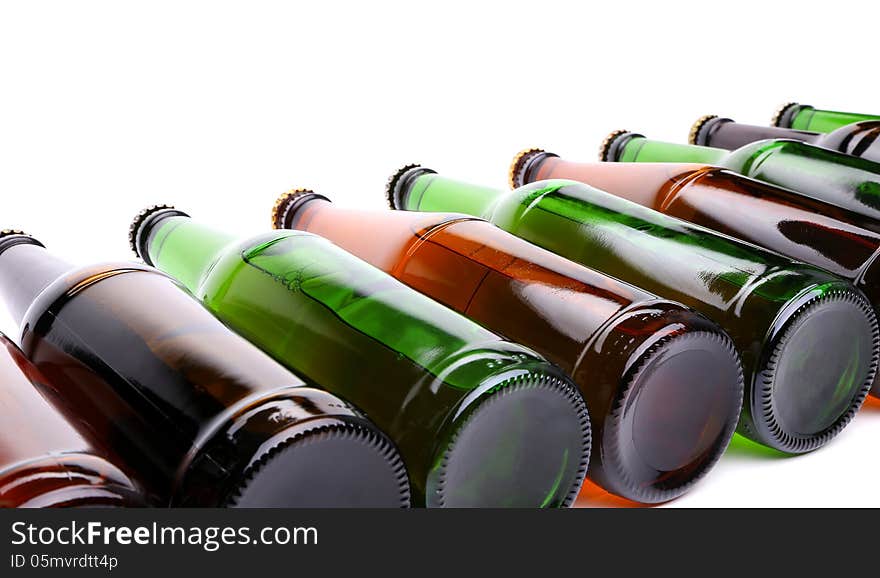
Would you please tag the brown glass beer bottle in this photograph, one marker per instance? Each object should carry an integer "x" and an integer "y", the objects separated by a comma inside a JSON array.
[
  {"x": 663, "y": 383},
  {"x": 808, "y": 339},
  {"x": 806, "y": 229},
  {"x": 203, "y": 416},
  {"x": 44, "y": 461}
]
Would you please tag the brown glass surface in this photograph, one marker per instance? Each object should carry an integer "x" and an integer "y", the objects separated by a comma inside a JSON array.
[
  {"x": 44, "y": 460},
  {"x": 200, "y": 414},
  {"x": 772, "y": 217},
  {"x": 598, "y": 329}
]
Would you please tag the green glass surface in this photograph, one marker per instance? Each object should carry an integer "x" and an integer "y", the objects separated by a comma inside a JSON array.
[
  {"x": 750, "y": 292},
  {"x": 643, "y": 150},
  {"x": 416, "y": 368},
  {"x": 831, "y": 176},
  {"x": 809, "y": 118}
]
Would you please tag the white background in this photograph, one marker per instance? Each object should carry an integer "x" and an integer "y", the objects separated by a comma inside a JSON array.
[{"x": 217, "y": 107}]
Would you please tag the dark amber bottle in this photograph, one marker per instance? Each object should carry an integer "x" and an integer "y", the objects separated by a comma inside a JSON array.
[
  {"x": 775, "y": 218},
  {"x": 44, "y": 460},
  {"x": 204, "y": 417},
  {"x": 858, "y": 139},
  {"x": 808, "y": 339},
  {"x": 828, "y": 175},
  {"x": 479, "y": 420},
  {"x": 806, "y": 117},
  {"x": 663, "y": 383}
]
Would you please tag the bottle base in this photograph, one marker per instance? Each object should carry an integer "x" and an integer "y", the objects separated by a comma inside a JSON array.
[
  {"x": 525, "y": 445},
  {"x": 674, "y": 418},
  {"x": 336, "y": 466},
  {"x": 818, "y": 371}
]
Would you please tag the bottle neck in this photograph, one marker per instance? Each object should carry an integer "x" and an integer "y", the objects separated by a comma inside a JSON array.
[
  {"x": 25, "y": 270},
  {"x": 382, "y": 238},
  {"x": 644, "y": 150},
  {"x": 647, "y": 184},
  {"x": 732, "y": 135},
  {"x": 434, "y": 193},
  {"x": 184, "y": 249},
  {"x": 809, "y": 118}
]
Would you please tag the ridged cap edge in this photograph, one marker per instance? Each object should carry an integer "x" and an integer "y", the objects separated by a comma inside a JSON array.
[
  {"x": 287, "y": 202},
  {"x": 780, "y": 112},
  {"x": 515, "y": 176},
  {"x": 697, "y": 126},
  {"x": 12, "y": 237},
  {"x": 605, "y": 147}
]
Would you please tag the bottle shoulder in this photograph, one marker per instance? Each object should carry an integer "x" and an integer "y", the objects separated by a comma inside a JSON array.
[
  {"x": 747, "y": 159},
  {"x": 848, "y": 138},
  {"x": 75, "y": 281}
]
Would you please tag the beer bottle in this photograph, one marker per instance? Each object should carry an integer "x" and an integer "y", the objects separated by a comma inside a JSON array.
[
  {"x": 831, "y": 176},
  {"x": 806, "y": 117},
  {"x": 204, "y": 417},
  {"x": 44, "y": 461},
  {"x": 663, "y": 384},
  {"x": 808, "y": 340},
  {"x": 858, "y": 139},
  {"x": 480, "y": 421},
  {"x": 805, "y": 229}
]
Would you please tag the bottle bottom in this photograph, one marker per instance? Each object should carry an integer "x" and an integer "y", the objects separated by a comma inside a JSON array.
[
  {"x": 818, "y": 372},
  {"x": 525, "y": 445},
  {"x": 338, "y": 466},
  {"x": 674, "y": 419}
]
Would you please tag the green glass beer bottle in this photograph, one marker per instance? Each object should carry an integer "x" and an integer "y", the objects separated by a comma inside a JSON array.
[
  {"x": 663, "y": 383},
  {"x": 806, "y": 117},
  {"x": 799, "y": 227},
  {"x": 858, "y": 139},
  {"x": 831, "y": 176},
  {"x": 480, "y": 421},
  {"x": 202, "y": 416},
  {"x": 44, "y": 461},
  {"x": 808, "y": 340}
]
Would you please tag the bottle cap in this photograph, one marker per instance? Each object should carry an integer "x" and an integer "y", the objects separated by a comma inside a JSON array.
[
  {"x": 143, "y": 223},
  {"x": 612, "y": 146},
  {"x": 522, "y": 163},
  {"x": 12, "y": 237},
  {"x": 288, "y": 203},
  {"x": 784, "y": 115},
  {"x": 398, "y": 185},
  {"x": 702, "y": 129}
]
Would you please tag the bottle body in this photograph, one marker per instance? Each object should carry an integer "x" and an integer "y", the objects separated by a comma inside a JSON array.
[
  {"x": 858, "y": 139},
  {"x": 805, "y": 229},
  {"x": 836, "y": 178},
  {"x": 806, "y": 117},
  {"x": 44, "y": 460},
  {"x": 442, "y": 387},
  {"x": 203, "y": 416},
  {"x": 773, "y": 309},
  {"x": 624, "y": 347}
]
